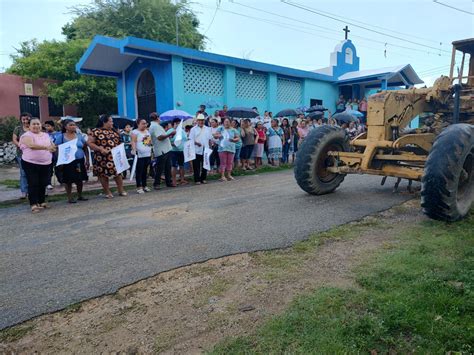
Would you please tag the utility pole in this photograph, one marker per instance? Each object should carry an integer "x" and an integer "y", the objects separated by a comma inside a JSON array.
[{"x": 176, "y": 23}]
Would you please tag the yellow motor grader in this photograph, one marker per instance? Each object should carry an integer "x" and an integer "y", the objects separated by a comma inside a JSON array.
[{"x": 440, "y": 153}]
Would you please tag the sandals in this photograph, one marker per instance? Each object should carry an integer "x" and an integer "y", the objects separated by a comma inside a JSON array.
[
  {"x": 222, "y": 179},
  {"x": 230, "y": 178},
  {"x": 82, "y": 199},
  {"x": 36, "y": 209},
  {"x": 123, "y": 193},
  {"x": 44, "y": 205}
]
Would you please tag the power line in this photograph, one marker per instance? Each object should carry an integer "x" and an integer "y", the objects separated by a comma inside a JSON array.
[
  {"x": 383, "y": 28},
  {"x": 218, "y": 4},
  {"x": 317, "y": 12},
  {"x": 452, "y": 7},
  {"x": 334, "y": 31}
]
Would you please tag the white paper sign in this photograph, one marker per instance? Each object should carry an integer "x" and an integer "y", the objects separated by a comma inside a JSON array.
[
  {"x": 225, "y": 137},
  {"x": 120, "y": 158},
  {"x": 207, "y": 159},
  {"x": 134, "y": 167},
  {"x": 67, "y": 152},
  {"x": 189, "y": 151},
  {"x": 179, "y": 134}
]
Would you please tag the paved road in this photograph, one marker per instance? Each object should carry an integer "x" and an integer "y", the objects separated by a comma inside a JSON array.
[{"x": 71, "y": 253}]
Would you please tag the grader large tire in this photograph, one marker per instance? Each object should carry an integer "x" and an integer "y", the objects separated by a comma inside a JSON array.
[
  {"x": 312, "y": 160},
  {"x": 447, "y": 190}
]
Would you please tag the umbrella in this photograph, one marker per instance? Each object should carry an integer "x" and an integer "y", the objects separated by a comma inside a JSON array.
[
  {"x": 242, "y": 112},
  {"x": 316, "y": 108},
  {"x": 289, "y": 112},
  {"x": 344, "y": 117},
  {"x": 315, "y": 115},
  {"x": 172, "y": 114},
  {"x": 355, "y": 113},
  {"x": 73, "y": 118},
  {"x": 121, "y": 122}
]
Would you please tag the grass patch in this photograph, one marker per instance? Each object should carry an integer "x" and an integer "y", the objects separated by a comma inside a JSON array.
[
  {"x": 12, "y": 184},
  {"x": 15, "y": 333},
  {"x": 73, "y": 308},
  {"x": 415, "y": 297}
]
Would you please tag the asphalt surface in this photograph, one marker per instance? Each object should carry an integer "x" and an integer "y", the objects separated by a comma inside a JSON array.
[{"x": 74, "y": 252}]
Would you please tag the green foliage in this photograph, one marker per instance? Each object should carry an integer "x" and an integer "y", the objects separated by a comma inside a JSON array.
[
  {"x": 150, "y": 19},
  {"x": 7, "y": 125},
  {"x": 414, "y": 298},
  {"x": 56, "y": 60}
]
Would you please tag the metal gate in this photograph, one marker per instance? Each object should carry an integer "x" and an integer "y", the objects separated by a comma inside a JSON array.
[{"x": 30, "y": 104}]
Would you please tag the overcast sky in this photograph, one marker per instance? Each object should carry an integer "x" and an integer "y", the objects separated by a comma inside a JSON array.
[{"x": 278, "y": 33}]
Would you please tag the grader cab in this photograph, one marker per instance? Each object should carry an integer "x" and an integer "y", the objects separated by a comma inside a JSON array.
[{"x": 440, "y": 153}]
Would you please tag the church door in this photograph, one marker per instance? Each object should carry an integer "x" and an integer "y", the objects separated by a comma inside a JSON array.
[{"x": 146, "y": 96}]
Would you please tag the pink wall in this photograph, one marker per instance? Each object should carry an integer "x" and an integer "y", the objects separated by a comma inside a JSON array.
[{"x": 12, "y": 86}]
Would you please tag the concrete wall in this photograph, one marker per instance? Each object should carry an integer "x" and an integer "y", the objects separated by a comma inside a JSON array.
[{"x": 13, "y": 86}]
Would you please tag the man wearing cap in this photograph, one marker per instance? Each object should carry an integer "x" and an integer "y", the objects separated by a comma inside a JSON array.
[
  {"x": 161, "y": 150},
  {"x": 200, "y": 134}
]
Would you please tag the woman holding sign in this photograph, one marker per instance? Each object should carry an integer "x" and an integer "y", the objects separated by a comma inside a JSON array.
[
  {"x": 36, "y": 147},
  {"x": 141, "y": 147},
  {"x": 76, "y": 171},
  {"x": 227, "y": 137},
  {"x": 103, "y": 139}
]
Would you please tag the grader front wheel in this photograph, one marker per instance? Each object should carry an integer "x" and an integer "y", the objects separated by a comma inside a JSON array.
[
  {"x": 447, "y": 191},
  {"x": 312, "y": 160}
]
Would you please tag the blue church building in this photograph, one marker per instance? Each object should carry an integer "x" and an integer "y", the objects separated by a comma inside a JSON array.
[{"x": 154, "y": 76}]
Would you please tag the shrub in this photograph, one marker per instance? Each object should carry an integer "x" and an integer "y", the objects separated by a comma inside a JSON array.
[{"x": 7, "y": 125}]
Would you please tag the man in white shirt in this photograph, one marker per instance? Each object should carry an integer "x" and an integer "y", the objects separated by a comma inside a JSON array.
[
  {"x": 161, "y": 151},
  {"x": 200, "y": 134}
]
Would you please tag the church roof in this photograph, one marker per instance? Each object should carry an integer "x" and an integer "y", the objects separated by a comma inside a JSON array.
[
  {"x": 403, "y": 73},
  {"x": 110, "y": 56}
]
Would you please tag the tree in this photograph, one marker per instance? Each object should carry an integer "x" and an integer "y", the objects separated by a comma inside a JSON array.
[
  {"x": 151, "y": 19},
  {"x": 56, "y": 60}
]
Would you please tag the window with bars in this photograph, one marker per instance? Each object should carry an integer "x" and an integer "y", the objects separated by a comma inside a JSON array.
[
  {"x": 289, "y": 91},
  {"x": 201, "y": 79},
  {"x": 250, "y": 86}
]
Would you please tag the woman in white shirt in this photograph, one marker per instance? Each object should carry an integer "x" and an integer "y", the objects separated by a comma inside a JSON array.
[{"x": 141, "y": 147}]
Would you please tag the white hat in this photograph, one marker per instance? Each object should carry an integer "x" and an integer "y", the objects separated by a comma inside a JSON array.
[
  {"x": 72, "y": 118},
  {"x": 200, "y": 117}
]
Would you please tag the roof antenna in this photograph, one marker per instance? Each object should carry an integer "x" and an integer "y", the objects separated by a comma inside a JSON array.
[{"x": 385, "y": 51}]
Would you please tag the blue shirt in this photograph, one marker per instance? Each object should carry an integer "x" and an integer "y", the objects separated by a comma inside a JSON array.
[
  {"x": 60, "y": 138},
  {"x": 225, "y": 145}
]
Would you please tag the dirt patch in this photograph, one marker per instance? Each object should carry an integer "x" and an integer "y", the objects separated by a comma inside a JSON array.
[{"x": 189, "y": 309}]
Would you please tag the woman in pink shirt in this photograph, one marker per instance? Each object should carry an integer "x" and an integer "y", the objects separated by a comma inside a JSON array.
[
  {"x": 36, "y": 160},
  {"x": 303, "y": 131}
]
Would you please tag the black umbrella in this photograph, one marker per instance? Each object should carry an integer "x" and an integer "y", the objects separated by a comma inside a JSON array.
[
  {"x": 315, "y": 115},
  {"x": 316, "y": 108},
  {"x": 242, "y": 112},
  {"x": 289, "y": 112},
  {"x": 121, "y": 122},
  {"x": 344, "y": 117}
]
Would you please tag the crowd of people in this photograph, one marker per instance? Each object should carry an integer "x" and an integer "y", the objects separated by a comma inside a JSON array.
[{"x": 233, "y": 143}]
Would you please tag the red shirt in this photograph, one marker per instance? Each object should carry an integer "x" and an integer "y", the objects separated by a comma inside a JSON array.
[{"x": 261, "y": 136}]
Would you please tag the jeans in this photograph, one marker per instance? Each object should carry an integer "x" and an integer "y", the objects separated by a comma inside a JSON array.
[
  {"x": 37, "y": 176},
  {"x": 286, "y": 152},
  {"x": 200, "y": 174},
  {"x": 163, "y": 163},
  {"x": 141, "y": 171},
  {"x": 23, "y": 180},
  {"x": 226, "y": 161},
  {"x": 237, "y": 154}
]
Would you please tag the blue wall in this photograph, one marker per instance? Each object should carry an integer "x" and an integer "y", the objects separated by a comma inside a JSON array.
[{"x": 170, "y": 91}]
